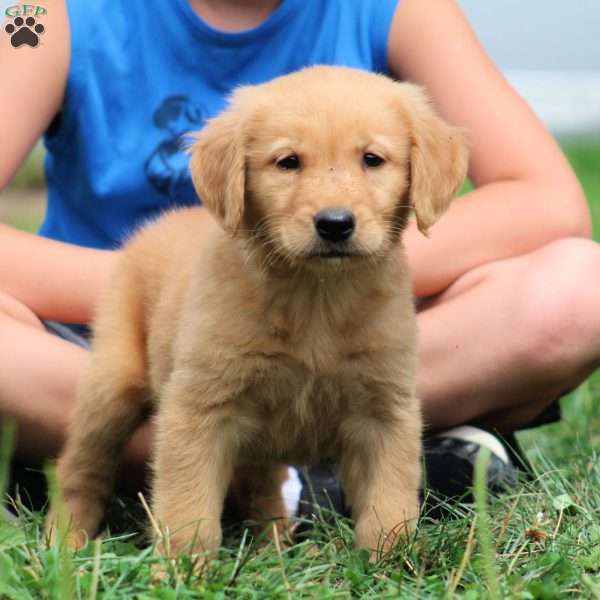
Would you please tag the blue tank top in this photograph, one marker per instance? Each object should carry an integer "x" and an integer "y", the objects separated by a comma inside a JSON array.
[{"x": 145, "y": 73}]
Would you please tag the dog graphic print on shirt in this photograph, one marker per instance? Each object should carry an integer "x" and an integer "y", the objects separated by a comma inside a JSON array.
[{"x": 167, "y": 167}]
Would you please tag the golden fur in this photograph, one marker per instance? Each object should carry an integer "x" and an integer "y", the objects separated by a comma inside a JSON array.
[{"x": 254, "y": 349}]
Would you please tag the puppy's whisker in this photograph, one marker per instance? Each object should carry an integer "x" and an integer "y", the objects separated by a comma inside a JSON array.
[{"x": 270, "y": 222}]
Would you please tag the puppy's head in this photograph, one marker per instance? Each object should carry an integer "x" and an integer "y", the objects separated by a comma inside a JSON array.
[{"x": 323, "y": 166}]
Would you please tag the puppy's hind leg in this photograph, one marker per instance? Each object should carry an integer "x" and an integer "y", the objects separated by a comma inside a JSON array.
[
  {"x": 111, "y": 404},
  {"x": 257, "y": 490}
]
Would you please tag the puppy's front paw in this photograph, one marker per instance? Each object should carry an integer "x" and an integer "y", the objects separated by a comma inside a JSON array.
[
  {"x": 59, "y": 529},
  {"x": 200, "y": 538},
  {"x": 380, "y": 535},
  {"x": 166, "y": 570}
]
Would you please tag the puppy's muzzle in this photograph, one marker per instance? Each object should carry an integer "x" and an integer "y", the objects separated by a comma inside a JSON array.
[{"x": 335, "y": 225}]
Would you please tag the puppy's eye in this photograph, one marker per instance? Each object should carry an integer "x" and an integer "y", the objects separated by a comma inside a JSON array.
[
  {"x": 372, "y": 160},
  {"x": 289, "y": 163}
]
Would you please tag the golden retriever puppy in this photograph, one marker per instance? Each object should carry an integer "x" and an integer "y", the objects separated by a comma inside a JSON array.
[{"x": 281, "y": 331}]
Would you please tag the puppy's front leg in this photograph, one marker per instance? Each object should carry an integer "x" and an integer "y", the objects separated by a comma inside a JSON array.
[
  {"x": 195, "y": 453},
  {"x": 380, "y": 472}
]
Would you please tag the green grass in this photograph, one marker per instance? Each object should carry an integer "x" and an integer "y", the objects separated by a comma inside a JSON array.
[
  {"x": 584, "y": 156},
  {"x": 542, "y": 541}
]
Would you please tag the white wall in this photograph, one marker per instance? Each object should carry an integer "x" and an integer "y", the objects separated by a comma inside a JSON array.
[{"x": 550, "y": 51}]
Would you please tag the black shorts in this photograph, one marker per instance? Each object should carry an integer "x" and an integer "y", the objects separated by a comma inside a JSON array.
[{"x": 79, "y": 335}]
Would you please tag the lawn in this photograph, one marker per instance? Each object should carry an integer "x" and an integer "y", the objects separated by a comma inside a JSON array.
[{"x": 542, "y": 540}]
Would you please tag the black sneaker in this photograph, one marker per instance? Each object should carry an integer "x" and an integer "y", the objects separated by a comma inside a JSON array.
[
  {"x": 450, "y": 457},
  {"x": 321, "y": 495}
]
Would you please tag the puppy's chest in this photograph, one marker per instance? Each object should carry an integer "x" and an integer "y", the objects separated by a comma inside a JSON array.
[
  {"x": 312, "y": 350},
  {"x": 305, "y": 388},
  {"x": 317, "y": 342},
  {"x": 294, "y": 415}
]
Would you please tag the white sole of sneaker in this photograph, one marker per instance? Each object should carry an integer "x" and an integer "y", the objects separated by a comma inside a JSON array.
[{"x": 485, "y": 439}]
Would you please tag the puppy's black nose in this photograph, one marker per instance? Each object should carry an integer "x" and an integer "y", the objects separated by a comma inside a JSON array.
[{"x": 334, "y": 224}]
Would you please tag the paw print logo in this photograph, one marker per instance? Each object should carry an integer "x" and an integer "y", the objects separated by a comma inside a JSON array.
[{"x": 24, "y": 31}]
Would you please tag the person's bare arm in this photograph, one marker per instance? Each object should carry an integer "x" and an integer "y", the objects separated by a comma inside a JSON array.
[
  {"x": 32, "y": 88},
  {"x": 527, "y": 194},
  {"x": 55, "y": 280}
]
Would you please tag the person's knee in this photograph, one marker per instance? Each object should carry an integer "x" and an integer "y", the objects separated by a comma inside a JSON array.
[{"x": 559, "y": 320}]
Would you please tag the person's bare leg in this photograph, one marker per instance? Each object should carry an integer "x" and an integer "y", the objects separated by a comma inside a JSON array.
[
  {"x": 39, "y": 374},
  {"x": 510, "y": 337},
  {"x": 38, "y": 377}
]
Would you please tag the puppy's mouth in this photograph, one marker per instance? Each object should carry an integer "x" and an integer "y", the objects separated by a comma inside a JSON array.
[
  {"x": 335, "y": 254},
  {"x": 332, "y": 254}
]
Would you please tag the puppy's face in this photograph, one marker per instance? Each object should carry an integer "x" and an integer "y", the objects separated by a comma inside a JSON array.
[
  {"x": 326, "y": 182},
  {"x": 324, "y": 166}
]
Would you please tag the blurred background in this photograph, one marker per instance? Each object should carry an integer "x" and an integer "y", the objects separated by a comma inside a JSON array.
[{"x": 548, "y": 49}]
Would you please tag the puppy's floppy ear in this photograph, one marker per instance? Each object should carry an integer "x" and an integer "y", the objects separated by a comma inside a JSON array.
[
  {"x": 439, "y": 159},
  {"x": 217, "y": 167}
]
